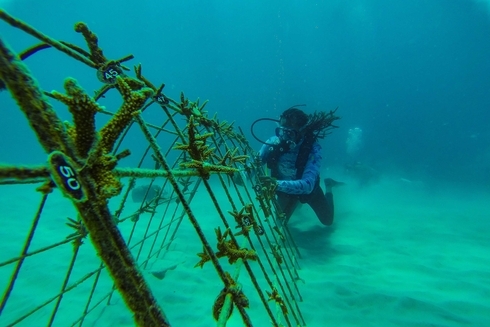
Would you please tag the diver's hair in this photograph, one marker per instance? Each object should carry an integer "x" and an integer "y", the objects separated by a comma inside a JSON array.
[
  {"x": 320, "y": 123},
  {"x": 296, "y": 117}
]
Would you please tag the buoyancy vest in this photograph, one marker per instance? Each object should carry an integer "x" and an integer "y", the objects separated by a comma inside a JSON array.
[{"x": 303, "y": 154}]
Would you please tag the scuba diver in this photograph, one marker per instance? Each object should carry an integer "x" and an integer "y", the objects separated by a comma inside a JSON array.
[{"x": 294, "y": 157}]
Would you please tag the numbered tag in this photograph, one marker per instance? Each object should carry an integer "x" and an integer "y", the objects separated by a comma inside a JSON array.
[
  {"x": 247, "y": 222},
  {"x": 109, "y": 73},
  {"x": 259, "y": 230},
  {"x": 161, "y": 99},
  {"x": 65, "y": 176}
]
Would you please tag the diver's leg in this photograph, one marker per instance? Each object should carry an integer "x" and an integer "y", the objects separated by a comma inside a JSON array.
[
  {"x": 287, "y": 203},
  {"x": 322, "y": 204}
]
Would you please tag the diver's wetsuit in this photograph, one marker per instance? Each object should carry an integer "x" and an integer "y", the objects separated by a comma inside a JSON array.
[{"x": 291, "y": 190}]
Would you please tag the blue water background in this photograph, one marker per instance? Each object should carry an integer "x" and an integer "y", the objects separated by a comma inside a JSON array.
[{"x": 414, "y": 75}]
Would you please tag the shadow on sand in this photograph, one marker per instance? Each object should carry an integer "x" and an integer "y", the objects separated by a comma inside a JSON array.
[{"x": 314, "y": 241}]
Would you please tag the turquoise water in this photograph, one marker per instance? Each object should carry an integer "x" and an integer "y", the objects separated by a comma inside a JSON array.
[{"x": 409, "y": 246}]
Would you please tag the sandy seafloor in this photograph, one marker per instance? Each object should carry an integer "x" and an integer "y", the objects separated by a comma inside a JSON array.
[{"x": 400, "y": 253}]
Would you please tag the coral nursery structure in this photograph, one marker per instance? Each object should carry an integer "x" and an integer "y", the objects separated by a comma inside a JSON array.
[{"x": 85, "y": 165}]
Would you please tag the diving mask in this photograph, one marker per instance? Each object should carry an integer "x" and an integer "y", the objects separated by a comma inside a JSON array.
[{"x": 286, "y": 134}]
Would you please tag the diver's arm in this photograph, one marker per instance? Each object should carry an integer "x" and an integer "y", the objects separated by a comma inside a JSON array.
[
  {"x": 263, "y": 153},
  {"x": 266, "y": 148},
  {"x": 260, "y": 159},
  {"x": 306, "y": 184}
]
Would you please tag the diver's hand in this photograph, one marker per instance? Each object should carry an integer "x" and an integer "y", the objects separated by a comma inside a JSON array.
[{"x": 268, "y": 181}]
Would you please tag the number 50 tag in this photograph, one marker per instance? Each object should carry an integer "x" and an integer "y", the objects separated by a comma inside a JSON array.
[{"x": 65, "y": 176}]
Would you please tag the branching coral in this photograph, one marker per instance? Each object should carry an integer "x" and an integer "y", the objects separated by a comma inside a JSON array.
[
  {"x": 200, "y": 153},
  {"x": 82, "y": 166},
  {"x": 226, "y": 248},
  {"x": 246, "y": 221},
  {"x": 232, "y": 290},
  {"x": 229, "y": 249},
  {"x": 274, "y": 296},
  {"x": 133, "y": 101},
  {"x": 96, "y": 53},
  {"x": 83, "y": 109},
  {"x": 82, "y": 163}
]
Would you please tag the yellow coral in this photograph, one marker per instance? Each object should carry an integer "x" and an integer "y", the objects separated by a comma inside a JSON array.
[
  {"x": 133, "y": 101},
  {"x": 83, "y": 109}
]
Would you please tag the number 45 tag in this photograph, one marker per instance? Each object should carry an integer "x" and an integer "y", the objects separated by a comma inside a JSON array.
[
  {"x": 109, "y": 73},
  {"x": 65, "y": 176}
]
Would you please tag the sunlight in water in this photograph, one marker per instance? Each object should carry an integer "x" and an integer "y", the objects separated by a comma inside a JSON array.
[
  {"x": 3, "y": 3},
  {"x": 485, "y": 3}
]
